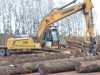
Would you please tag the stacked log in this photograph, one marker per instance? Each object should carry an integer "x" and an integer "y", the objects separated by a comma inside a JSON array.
[
  {"x": 77, "y": 44},
  {"x": 88, "y": 66},
  {"x": 51, "y": 66},
  {"x": 37, "y": 57}
]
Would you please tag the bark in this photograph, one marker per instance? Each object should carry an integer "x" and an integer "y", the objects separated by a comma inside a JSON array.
[
  {"x": 68, "y": 64},
  {"x": 75, "y": 45},
  {"x": 8, "y": 61},
  {"x": 74, "y": 41},
  {"x": 4, "y": 62},
  {"x": 98, "y": 49},
  {"x": 72, "y": 47},
  {"x": 85, "y": 45},
  {"x": 17, "y": 69},
  {"x": 74, "y": 50},
  {"x": 78, "y": 45},
  {"x": 77, "y": 38},
  {"x": 85, "y": 50},
  {"x": 88, "y": 66},
  {"x": 33, "y": 66}
]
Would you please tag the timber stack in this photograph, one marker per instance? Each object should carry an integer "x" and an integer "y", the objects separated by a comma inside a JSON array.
[
  {"x": 98, "y": 44},
  {"x": 77, "y": 44},
  {"x": 50, "y": 66}
]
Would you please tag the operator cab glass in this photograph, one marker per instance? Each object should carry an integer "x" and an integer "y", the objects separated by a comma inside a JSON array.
[
  {"x": 55, "y": 38},
  {"x": 50, "y": 38}
]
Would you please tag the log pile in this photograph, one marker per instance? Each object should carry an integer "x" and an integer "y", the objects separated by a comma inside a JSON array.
[
  {"x": 27, "y": 63},
  {"x": 77, "y": 44},
  {"x": 47, "y": 62},
  {"x": 51, "y": 66},
  {"x": 25, "y": 58},
  {"x": 19, "y": 59}
]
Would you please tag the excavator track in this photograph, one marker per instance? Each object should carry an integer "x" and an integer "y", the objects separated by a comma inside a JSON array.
[{"x": 34, "y": 51}]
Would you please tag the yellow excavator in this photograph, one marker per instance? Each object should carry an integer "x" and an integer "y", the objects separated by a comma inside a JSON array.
[{"x": 47, "y": 36}]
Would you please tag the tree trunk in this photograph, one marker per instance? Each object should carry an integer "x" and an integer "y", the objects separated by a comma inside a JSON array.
[
  {"x": 67, "y": 64},
  {"x": 88, "y": 66}
]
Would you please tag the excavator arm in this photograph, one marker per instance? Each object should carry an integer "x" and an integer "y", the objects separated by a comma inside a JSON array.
[
  {"x": 89, "y": 20},
  {"x": 90, "y": 27}
]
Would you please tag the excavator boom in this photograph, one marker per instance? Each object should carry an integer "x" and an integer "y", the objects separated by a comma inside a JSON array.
[{"x": 56, "y": 15}]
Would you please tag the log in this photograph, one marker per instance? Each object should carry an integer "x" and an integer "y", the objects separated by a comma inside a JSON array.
[
  {"x": 57, "y": 65},
  {"x": 18, "y": 69},
  {"x": 50, "y": 56},
  {"x": 26, "y": 56},
  {"x": 33, "y": 66},
  {"x": 74, "y": 50},
  {"x": 88, "y": 66},
  {"x": 85, "y": 50},
  {"x": 77, "y": 38},
  {"x": 79, "y": 45},
  {"x": 85, "y": 45},
  {"x": 52, "y": 68},
  {"x": 72, "y": 47},
  {"x": 75, "y": 45},
  {"x": 74, "y": 42},
  {"x": 98, "y": 49}
]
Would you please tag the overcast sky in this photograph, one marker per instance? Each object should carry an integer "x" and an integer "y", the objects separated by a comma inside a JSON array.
[{"x": 96, "y": 10}]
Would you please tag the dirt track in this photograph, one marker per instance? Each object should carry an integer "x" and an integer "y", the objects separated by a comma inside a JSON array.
[{"x": 68, "y": 73}]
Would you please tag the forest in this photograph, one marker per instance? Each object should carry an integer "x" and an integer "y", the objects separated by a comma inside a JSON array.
[{"x": 25, "y": 16}]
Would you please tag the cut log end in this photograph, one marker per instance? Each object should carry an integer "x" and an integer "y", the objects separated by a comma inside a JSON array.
[
  {"x": 88, "y": 66},
  {"x": 41, "y": 69}
]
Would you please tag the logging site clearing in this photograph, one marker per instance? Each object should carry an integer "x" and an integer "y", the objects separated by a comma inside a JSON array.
[
  {"x": 43, "y": 54},
  {"x": 73, "y": 59}
]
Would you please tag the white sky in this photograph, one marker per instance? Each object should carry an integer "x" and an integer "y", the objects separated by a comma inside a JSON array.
[
  {"x": 96, "y": 8},
  {"x": 96, "y": 4}
]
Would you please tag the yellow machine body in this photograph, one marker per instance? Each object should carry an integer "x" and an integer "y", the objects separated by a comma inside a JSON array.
[
  {"x": 22, "y": 43},
  {"x": 26, "y": 44}
]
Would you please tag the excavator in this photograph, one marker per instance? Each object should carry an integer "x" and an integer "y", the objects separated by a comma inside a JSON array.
[{"x": 48, "y": 36}]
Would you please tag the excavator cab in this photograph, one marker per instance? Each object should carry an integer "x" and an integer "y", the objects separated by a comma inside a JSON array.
[{"x": 50, "y": 38}]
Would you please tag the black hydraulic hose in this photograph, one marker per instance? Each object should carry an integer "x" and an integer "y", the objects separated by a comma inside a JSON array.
[{"x": 67, "y": 4}]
